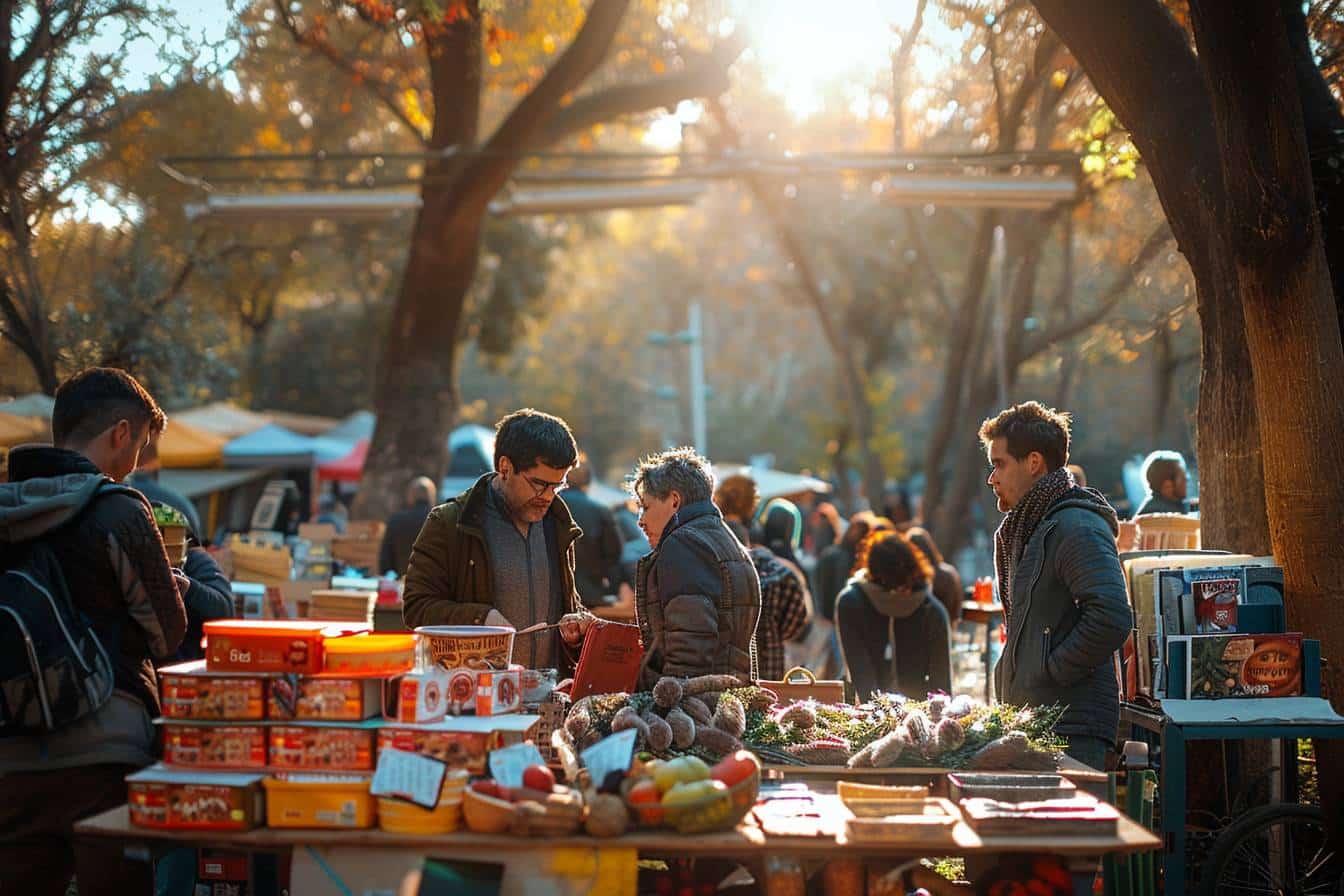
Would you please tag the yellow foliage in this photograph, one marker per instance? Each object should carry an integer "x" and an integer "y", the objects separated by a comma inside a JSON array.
[
  {"x": 548, "y": 43},
  {"x": 414, "y": 111},
  {"x": 269, "y": 139}
]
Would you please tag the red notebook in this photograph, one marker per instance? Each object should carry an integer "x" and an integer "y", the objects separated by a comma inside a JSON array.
[{"x": 609, "y": 661}]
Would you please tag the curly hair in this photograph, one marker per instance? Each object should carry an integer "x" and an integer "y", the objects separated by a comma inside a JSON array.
[
  {"x": 678, "y": 469},
  {"x": 1031, "y": 426},
  {"x": 737, "y": 497},
  {"x": 893, "y": 561}
]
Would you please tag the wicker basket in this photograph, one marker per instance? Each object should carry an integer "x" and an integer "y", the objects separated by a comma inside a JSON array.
[
  {"x": 719, "y": 812},
  {"x": 1167, "y": 532}
]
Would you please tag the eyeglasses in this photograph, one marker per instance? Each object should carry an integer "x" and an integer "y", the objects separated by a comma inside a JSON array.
[{"x": 541, "y": 486}]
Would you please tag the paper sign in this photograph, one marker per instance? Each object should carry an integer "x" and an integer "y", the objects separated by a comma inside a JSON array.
[
  {"x": 408, "y": 776},
  {"x": 611, "y": 754},
  {"x": 507, "y": 764}
]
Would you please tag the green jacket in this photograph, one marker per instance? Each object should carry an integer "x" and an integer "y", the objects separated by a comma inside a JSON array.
[{"x": 449, "y": 579}]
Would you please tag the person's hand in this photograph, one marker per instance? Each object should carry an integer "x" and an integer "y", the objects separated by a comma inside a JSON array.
[
  {"x": 183, "y": 583},
  {"x": 494, "y": 617},
  {"x": 573, "y": 626}
]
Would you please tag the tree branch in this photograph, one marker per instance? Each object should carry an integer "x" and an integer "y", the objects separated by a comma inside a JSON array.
[
  {"x": 925, "y": 261},
  {"x": 707, "y": 75},
  {"x": 338, "y": 59},
  {"x": 1160, "y": 236}
]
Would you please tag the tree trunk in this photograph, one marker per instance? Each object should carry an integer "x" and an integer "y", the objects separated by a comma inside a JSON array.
[
  {"x": 1292, "y": 325},
  {"x": 1132, "y": 54},
  {"x": 960, "y": 363},
  {"x": 415, "y": 398}
]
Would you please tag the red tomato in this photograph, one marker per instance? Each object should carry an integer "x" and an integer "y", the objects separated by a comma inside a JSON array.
[
  {"x": 538, "y": 777},
  {"x": 736, "y": 768},
  {"x": 487, "y": 787}
]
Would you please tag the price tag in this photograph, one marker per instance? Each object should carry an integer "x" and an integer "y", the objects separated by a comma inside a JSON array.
[
  {"x": 408, "y": 776},
  {"x": 508, "y": 763},
  {"x": 611, "y": 754}
]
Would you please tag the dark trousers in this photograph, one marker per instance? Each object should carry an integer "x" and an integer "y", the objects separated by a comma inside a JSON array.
[
  {"x": 1090, "y": 751},
  {"x": 38, "y": 811}
]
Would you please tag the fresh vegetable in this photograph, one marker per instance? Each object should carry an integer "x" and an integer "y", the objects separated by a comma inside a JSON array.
[
  {"x": 606, "y": 817},
  {"x": 168, "y": 516},
  {"x": 736, "y": 768},
  {"x": 539, "y": 777},
  {"x": 691, "y": 792}
]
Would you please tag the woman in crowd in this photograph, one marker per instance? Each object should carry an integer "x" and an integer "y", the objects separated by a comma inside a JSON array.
[
  {"x": 894, "y": 633},
  {"x": 947, "y": 585},
  {"x": 697, "y": 596}
]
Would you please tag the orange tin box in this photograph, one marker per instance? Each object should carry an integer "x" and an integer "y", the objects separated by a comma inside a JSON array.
[
  {"x": 270, "y": 645},
  {"x": 313, "y": 747},
  {"x": 215, "y": 746},
  {"x": 323, "y": 699},
  {"x": 458, "y": 749},
  {"x": 203, "y": 801},
  {"x": 188, "y": 691}
]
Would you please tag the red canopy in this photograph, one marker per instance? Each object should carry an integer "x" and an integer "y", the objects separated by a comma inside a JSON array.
[{"x": 349, "y": 468}]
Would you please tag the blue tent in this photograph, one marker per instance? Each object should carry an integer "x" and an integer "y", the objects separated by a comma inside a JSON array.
[
  {"x": 358, "y": 425},
  {"x": 275, "y": 446}
]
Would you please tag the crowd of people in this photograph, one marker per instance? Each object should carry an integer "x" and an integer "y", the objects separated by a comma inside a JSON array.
[{"x": 717, "y": 587}]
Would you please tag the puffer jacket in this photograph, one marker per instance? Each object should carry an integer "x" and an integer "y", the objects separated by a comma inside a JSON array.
[
  {"x": 1069, "y": 615},
  {"x": 697, "y": 600}
]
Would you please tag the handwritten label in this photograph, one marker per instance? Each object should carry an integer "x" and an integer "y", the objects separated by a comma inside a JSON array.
[
  {"x": 508, "y": 763},
  {"x": 611, "y": 754},
  {"x": 408, "y": 776}
]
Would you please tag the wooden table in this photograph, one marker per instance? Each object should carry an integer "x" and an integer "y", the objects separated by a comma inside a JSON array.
[
  {"x": 827, "y": 775},
  {"x": 375, "y": 861}
]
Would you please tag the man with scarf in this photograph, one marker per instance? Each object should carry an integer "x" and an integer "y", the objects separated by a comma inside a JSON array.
[{"x": 1059, "y": 578}]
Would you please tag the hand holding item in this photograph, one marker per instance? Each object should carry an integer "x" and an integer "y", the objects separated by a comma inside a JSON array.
[
  {"x": 573, "y": 626},
  {"x": 494, "y": 617}
]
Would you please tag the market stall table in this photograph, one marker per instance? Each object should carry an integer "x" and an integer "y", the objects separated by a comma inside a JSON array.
[
  {"x": 823, "y": 775},
  {"x": 372, "y": 860}
]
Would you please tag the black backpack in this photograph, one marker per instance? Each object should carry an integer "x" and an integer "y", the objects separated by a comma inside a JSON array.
[{"x": 53, "y": 668}]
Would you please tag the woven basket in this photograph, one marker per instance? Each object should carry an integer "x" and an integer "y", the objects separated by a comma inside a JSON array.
[
  {"x": 1167, "y": 532},
  {"x": 719, "y": 812}
]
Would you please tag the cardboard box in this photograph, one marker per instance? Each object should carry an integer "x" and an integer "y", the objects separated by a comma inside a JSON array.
[
  {"x": 323, "y": 699},
  {"x": 322, "y": 748},
  {"x": 498, "y": 692},
  {"x": 214, "y": 746},
  {"x": 422, "y": 696},
  {"x": 458, "y": 749},
  {"x": 190, "y": 691},
  {"x": 173, "y": 800}
]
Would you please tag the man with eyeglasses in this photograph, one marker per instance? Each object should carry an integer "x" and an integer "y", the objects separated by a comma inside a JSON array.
[{"x": 502, "y": 553}]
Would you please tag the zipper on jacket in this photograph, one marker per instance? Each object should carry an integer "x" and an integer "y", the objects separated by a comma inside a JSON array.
[
  {"x": 1045, "y": 652},
  {"x": 1017, "y": 642}
]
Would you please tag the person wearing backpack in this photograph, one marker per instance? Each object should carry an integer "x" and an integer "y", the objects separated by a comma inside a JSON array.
[{"x": 85, "y": 585}]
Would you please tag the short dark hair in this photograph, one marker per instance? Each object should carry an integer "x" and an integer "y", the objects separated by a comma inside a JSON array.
[
  {"x": 582, "y": 474},
  {"x": 893, "y": 561},
  {"x": 528, "y": 437},
  {"x": 1031, "y": 426},
  {"x": 920, "y": 537},
  {"x": 97, "y": 398},
  {"x": 1160, "y": 467},
  {"x": 737, "y": 496}
]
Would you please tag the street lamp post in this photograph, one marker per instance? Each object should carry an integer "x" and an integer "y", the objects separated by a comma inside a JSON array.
[{"x": 693, "y": 338}]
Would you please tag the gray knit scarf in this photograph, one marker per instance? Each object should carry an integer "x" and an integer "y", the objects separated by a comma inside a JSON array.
[{"x": 1018, "y": 525}]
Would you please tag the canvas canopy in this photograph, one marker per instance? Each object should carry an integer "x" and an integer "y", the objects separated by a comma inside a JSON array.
[
  {"x": 346, "y": 469},
  {"x": 773, "y": 483},
  {"x": 18, "y": 430},
  {"x": 34, "y": 404},
  {"x": 223, "y": 418},
  {"x": 358, "y": 425},
  {"x": 275, "y": 446},
  {"x": 184, "y": 445}
]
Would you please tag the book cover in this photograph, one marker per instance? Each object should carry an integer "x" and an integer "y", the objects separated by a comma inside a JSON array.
[
  {"x": 609, "y": 661},
  {"x": 1244, "y": 665}
]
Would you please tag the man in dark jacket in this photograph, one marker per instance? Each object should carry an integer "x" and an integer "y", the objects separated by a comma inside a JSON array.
[
  {"x": 1165, "y": 476},
  {"x": 1060, "y": 580},
  {"x": 404, "y": 526},
  {"x": 502, "y": 553},
  {"x": 697, "y": 597},
  {"x": 118, "y": 575},
  {"x": 597, "y": 555}
]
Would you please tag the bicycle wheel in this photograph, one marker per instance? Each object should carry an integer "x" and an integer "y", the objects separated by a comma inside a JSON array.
[{"x": 1278, "y": 850}]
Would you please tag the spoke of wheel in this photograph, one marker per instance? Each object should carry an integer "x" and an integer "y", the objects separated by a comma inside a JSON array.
[{"x": 1253, "y": 862}]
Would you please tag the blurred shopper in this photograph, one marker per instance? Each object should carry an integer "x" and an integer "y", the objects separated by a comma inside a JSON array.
[
  {"x": 502, "y": 552},
  {"x": 1066, "y": 610},
  {"x": 947, "y": 585},
  {"x": 1165, "y": 476},
  {"x": 597, "y": 553},
  {"x": 404, "y": 526},
  {"x": 697, "y": 596},
  {"x": 785, "y": 607},
  {"x": 109, "y": 557},
  {"x": 894, "y": 633}
]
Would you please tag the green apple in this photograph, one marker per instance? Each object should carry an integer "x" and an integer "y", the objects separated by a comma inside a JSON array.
[{"x": 692, "y": 792}]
